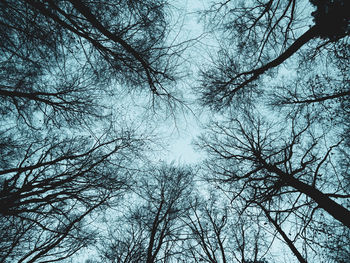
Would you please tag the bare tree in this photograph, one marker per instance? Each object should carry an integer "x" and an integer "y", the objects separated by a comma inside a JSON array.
[
  {"x": 286, "y": 171},
  {"x": 61, "y": 156},
  {"x": 259, "y": 36},
  {"x": 293, "y": 56},
  {"x": 221, "y": 233},
  {"x": 55, "y": 185},
  {"x": 152, "y": 230},
  {"x": 125, "y": 39}
]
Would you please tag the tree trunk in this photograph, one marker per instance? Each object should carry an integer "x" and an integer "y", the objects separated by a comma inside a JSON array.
[{"x": 325, "y": 202}]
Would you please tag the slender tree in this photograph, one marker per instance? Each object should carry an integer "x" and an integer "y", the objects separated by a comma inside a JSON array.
[
  {"x": 294, "y": 175},
  {"x": 152, "y": 229},
  {"x": 257, "y": 37},
  {"x": 63, "y": 152},
  {"x": 280, "y": 79},
  {"x": 222, "y": 233},
  {"x": 56, "y": 185}
]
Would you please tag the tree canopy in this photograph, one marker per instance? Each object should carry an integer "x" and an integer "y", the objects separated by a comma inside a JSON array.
[{"x": 83, "y": 171}]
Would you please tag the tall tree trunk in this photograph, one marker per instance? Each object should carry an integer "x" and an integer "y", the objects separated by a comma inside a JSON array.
[
  {"x": 283, "y": 234},
  {"x": 325, "y": 202},
  {"x": 298, "y": 43}
]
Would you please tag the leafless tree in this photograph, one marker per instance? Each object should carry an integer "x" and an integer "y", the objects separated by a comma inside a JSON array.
[
  {"x": 61, "y": 157},
  {"x": 220, "y": 233},
  {"x": 257, "y": 37},
  {"x": 152, "y": 229},
  {"x": 54, "y": 186},
  {"x": 293, "y": 56},
  {"x": 288, "y": 171}
]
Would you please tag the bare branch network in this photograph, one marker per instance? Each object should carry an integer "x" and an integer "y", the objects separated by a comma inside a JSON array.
[{"x": 87, "y": 88}]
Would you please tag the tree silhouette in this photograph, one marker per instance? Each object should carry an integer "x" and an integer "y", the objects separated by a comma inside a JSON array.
[
  {"x": 280, "y": 81},
  {"x": 64, "y": 154},
  {"x": 260, "y": 36},
  {"x": 151, "y": 230},
  {"x": 54, "y": 187},
  {"x": 286, "y": 171},
  {"x": 75, "y": 172},
  {"x": 220, "y": 233}
]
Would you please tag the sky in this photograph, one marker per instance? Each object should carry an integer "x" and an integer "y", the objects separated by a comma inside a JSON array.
[
  {"x": 183, "y": 133},
  {"x": 179, "y": 133}
]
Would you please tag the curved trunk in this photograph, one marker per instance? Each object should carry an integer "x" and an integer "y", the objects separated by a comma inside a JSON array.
[{"x": 301, "y": 41}]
